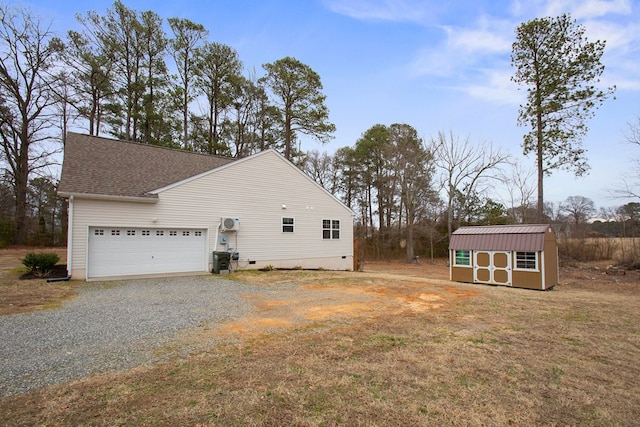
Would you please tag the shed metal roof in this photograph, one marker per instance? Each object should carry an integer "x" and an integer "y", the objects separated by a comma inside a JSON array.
[{"x": 527, "y": 237}]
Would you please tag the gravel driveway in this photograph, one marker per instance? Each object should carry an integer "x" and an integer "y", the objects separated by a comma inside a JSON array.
[{"x": 111, "y": 326}]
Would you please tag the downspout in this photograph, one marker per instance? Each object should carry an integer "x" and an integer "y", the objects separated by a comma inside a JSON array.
[
  {"x": 70, "y": 237},
  {"x": 215, "y": 246},
  {"x": 69, "y": 245}
]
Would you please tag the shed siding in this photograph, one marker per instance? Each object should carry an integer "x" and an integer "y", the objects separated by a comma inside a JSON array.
[
  {"x": 537, "y": 238},
  {"x": 527, "y": 279},
  {"x": 552, "y": 267},
  {"x": 460, "y": 273},
  {"x": 254, "y": 191}
]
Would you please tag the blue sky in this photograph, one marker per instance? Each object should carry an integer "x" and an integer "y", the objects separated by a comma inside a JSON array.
[{"x": 435, "y": 65}]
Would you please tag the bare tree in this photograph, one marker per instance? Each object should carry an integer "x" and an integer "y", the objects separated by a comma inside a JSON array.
[
  {"x": 629, "y": 187},
  {"x": 520, "y": 185},
  {"x": 27, "y": 57},
  {"x": 321, "y": 167},
  {"x": 465, "y": 168},
  {"x": 414, "y": 168},
  {"x": 580, "y": 209}
]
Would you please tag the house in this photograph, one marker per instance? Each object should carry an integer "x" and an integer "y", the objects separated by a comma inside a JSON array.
[
  {"x": 522, "y": 256},
  {"x": 137, "y": 209}
]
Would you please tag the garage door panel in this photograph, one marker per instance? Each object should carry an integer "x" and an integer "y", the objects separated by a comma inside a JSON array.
[{"x": 130, "y": 251}]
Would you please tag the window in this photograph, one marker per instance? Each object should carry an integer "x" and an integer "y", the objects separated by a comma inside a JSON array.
[
  {"x": 146, "y": 233},
  {"x": 330, "y": 228},
  {"x": 173, "y": 233},
  {"x": 98, "y": 232},
  {"x": 131, "y": 232},
  {"x": 185, "y": 233},
  {"x": 463, "y": 258},
  {"x": 115, "y": 232},
  {"x": 159, "y": 232},
  {"x": 527, "y": 260},
  {"x": 288, "y": 225},
  {"x": 197, "y": 233}
]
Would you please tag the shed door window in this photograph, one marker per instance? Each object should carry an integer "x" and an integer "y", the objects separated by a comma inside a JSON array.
[
  {"x": 527, "y": 260},
  {"x": 463, "y": 258},
  {"x": 287, "y": 225}
]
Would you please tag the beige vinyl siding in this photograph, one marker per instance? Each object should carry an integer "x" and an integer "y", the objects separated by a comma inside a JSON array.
[{"x": 253, "y": 190}]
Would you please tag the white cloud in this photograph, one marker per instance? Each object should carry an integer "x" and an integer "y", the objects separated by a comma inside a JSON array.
[
  {"x": 436, "y": 62},
  {"x": 488, "y": 36},
  {"x": 464, "y": 48},
  {"x": 496, "y": 88},
  {"x": 581, "y": 9},
  {"x": 381, "y": 10}
]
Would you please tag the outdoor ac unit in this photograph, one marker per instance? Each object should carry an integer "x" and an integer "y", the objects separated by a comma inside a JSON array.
[{"x": 230, "y": 224}]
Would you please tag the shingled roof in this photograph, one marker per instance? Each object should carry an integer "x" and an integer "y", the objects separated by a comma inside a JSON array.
[
  {"x": 525, "y": 237},
  {"x": 96, "y": 166}
]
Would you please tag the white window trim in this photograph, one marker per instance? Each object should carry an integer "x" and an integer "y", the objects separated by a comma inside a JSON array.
[
  {"x": 455, "y": 264},
  {"x": 282, "y": 225},
  {"x": 533, "y": 270},
  {"x": 331, "y": 229}
]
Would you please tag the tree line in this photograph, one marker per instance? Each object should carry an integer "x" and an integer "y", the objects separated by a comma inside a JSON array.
[
  {"x": 122, "y": 75},
  {"x": 113, "y": 77}
]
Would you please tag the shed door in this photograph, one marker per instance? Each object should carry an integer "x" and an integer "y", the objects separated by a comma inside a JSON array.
[
  {"x": 137, "y": 251},
  {"x": 492, "y": 267}
]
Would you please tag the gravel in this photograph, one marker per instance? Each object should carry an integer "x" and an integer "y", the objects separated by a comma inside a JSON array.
[{"x": 112, "y": 326}]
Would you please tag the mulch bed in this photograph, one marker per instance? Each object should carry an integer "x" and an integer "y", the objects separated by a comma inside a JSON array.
[{"x": 58, "y": 271}]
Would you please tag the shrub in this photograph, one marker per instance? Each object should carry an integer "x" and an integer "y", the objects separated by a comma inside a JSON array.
[{"x": 40, "y": 263}]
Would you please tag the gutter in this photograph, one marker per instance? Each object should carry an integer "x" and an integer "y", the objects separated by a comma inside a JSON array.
[{"x": 139, "y": 199}]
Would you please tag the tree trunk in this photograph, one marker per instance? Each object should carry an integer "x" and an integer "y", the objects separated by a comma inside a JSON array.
[
  {"x": 540, "y": 210},
  {"x": 411, "y": 258},
  {"x": 287, "y": 135},
  {"x": 21, "y": 186}
]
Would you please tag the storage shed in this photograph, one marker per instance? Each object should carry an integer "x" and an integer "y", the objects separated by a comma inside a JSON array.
[{"x": 522, "y": 256}]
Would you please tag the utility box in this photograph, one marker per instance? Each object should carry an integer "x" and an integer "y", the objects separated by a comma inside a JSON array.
[{"x": 221, "y": 261}]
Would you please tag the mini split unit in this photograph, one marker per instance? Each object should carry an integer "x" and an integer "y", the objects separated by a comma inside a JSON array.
[{"x": 229, "y": 224}]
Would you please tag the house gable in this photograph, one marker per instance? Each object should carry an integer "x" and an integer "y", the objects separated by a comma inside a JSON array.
[{"x": 257, "y": 158}]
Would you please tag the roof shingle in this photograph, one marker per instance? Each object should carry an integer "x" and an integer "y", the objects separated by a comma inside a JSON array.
[{"x": 109, "y": 167}]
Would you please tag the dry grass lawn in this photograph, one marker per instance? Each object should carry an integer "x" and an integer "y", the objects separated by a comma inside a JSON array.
[
  {"x": 22, "y": 296},
  {"x": 394, "y": 345}
]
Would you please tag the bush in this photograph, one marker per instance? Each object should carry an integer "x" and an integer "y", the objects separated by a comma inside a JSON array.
[{"x": 40, "y": 263}]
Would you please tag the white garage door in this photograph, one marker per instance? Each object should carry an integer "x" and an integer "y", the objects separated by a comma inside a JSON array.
[{"x": 130, "y": 251}]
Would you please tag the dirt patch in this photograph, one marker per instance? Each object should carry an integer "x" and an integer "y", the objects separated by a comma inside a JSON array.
[{"x": 320, "y": 299}]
